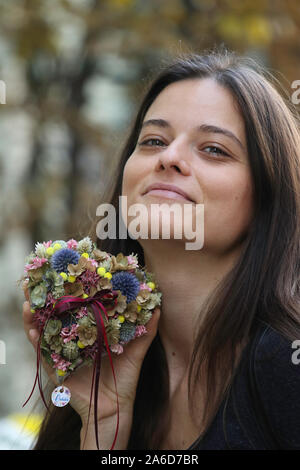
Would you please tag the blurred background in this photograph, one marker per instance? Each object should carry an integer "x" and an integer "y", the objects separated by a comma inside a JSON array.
[{"x": 72, "y": 75}]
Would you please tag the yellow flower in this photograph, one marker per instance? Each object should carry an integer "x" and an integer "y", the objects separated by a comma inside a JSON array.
[
  {"x": 151, "y": 285},
  {"x": 49, "y": 251},
  {"x": 61, "y": 372},
  {"x": 71, "y": 278},
  {"x": 121, "y": 318},
  {"x": 56, "y": 246},
  {"x": 101, "y": 271},
  {"x": 64, "y": 276},
  {"x": 80, "y": 344},
  {"x": 85, "y": 255},
  {"x": 108, "y": 275}
]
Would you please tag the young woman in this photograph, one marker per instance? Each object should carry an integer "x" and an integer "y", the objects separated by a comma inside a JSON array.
[{"x": 216, "y": 369}]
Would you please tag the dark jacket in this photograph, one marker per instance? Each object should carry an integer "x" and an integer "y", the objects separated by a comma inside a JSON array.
[{"x": 241, "y": 423}]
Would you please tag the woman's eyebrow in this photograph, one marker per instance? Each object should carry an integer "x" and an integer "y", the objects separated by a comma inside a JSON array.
[{"x": 202, "y": 128}]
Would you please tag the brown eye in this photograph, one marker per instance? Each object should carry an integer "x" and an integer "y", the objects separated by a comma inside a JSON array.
[
  {"x": 218, "y": 151},
  {"x": 145, "y": 143}
]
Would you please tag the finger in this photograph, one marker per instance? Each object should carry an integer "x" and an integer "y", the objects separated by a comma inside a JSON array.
[
  {"x": 28, "y": 314},
  {"x": 29, "y": 325},
  {"x": 25, "y": 290},
  {"x": 33, "y": 335},
  {"x": 152, "y": 324}
]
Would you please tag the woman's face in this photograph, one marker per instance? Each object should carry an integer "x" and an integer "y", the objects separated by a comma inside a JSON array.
[{"x": 198, "y": 145}]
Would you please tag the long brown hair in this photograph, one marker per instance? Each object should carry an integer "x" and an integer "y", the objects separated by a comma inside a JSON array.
[{"x": 264, "y": 283}]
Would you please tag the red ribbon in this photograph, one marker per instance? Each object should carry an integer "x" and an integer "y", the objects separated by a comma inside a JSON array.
[{"x": 70, "y": 303}]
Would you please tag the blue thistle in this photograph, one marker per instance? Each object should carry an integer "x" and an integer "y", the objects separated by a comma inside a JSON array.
[
  {"x": 127, "y": 283},
  {"x": 127, "y": 332},
  {"x": 61, "y": 258}
]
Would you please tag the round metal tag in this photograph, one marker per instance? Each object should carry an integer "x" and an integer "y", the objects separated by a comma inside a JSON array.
[{"x": 61, "y": 396}]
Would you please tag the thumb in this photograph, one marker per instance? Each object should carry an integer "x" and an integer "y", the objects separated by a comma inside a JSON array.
[{"x": 152, "y": 325}]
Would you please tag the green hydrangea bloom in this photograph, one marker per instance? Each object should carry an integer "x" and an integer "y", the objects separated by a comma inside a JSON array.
[{"x": 38, "y": 295}]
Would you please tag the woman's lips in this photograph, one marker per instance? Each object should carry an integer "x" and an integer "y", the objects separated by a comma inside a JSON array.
[{"x": 166, "y": 193}]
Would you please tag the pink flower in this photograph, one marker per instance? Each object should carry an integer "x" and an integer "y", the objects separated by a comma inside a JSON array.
[
  {"x": 140, "y": 331},
  {"x": 82, "y": 312},
  {"x": 144, "y": 286},
  {"x": 94, "y": 262},
  {"x": 72, "y": 244},
  {"x": 47, "y": 244},
  {"x": 116, "y": 348},
  {"x": 132, "y": 261},
  {"x": 68, "y": 334},
  {"x": 36, "y": 263},
  {"x": 59, "y": 362}
]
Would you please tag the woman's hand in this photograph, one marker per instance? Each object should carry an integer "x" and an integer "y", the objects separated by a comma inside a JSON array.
[{"x": 127, "y": 368}]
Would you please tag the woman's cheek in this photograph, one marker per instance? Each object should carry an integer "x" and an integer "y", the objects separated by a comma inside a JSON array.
[{"x": 227, "y": 217}]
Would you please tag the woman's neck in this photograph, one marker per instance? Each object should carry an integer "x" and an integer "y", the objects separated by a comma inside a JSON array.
[{"x": 186, "y": 279}]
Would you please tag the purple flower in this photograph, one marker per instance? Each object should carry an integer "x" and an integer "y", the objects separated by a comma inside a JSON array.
[
  {"x": 62, "y": 258},
  {"x": 127, "y": 283}
]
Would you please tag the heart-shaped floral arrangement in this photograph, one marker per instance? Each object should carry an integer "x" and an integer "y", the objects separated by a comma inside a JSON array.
[{"x": 86, "y": 302}]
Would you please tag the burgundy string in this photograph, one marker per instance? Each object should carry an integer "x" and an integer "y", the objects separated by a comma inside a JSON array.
[{"x": 69, "y": 303}]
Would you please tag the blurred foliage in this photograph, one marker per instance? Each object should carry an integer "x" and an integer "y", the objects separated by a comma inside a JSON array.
[{"x": 75, "y": 71}]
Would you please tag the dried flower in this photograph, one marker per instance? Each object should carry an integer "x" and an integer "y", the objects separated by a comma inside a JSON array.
[
  {"x": 145, "y": 287},
  {"x": 83, "y": 311},
  {"x": 38, "y": 295},
  {"x": 132, "y": 261},
  {"x": 143, "y": 317},
  {"x": 140, "y": 331},
  {"x": 116, "y": 348},
  {"x": 53, "y": 328},
  {"x": 36, "y": 263},
  {"x": 113, "y": 331},
  {"x": 127, "y": 332},
  {"x": 55, "y": 343},
  {"x": 74, "y": 288},
  {"x": 131, "y": 311},
  {"x": 87, "y": 334},
  {"x": 127, "y": 283},
  {"x": 70, "y": 351},
  {"x": 62, "y": 258},
  {"x": 119, "y": 263},
  {"x": 143, "y": 297},
  {"x": 99, "y": 255},
  {"x": 59, "y": 362},
  {"x": 83, "y": 264},
  {"x": 62, "y": 243},
  {"x": 69, "y": 333},
  {"x": 40, "y": 250},
  {"x": 85, "y": 246},
  {"x": 72, "y": 244},
  {"x": 89, "y": 279},
  {"x": 119, "y": 307}
]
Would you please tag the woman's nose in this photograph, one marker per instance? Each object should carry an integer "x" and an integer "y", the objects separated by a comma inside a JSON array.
[{"x": 174, "y": 157}]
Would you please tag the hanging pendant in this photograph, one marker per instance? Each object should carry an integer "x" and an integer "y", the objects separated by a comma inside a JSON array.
[{"x": 61, "y": 396}]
